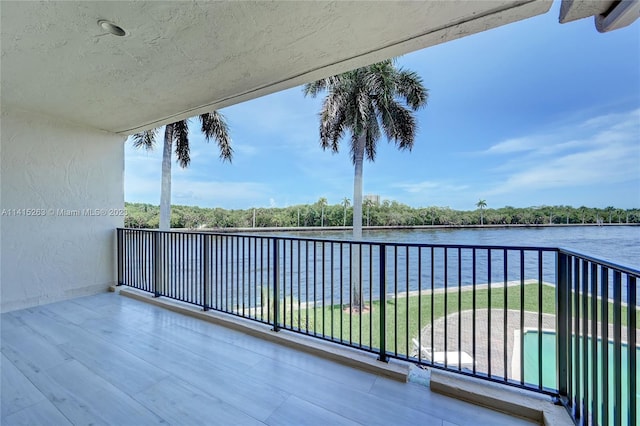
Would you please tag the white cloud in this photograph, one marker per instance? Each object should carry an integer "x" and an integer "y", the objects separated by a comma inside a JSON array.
[
  {"x": 244, "y": 149},
  {"x": 611, "y": 164},
  {"x": 217, "y": 193},
  {"x": 513, "y": 145},
  {"x": 602, "y": 149},
  {"x": 614, "y": 118},
  {"x": 429, "y": 186},
  {"x": 590, "y": 132}
]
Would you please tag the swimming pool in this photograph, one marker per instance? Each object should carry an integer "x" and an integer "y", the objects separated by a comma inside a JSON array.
[{"x": 548, "y": 365}]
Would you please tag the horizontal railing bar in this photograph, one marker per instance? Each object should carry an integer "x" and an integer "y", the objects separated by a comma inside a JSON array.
[
  {"x": 360, "y": 242},
  {"x": 624, "y": 269}
]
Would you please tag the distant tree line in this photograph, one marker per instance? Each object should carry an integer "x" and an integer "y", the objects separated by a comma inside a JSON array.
[{"x": 387, "y": 213}]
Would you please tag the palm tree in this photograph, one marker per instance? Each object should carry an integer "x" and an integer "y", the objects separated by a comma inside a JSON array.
[
  {"x": 345, "y": 203},
  {"x": 481, "y": 204},
  {"x": 368, "y": 203},
  {"x": 360, "y": 103},
  {"x": 610, "y": 209},
  {"x": 213, "y": 125},
  {"x": 322, "y": 202}
]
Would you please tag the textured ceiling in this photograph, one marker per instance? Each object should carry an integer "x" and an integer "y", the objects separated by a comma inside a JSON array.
[{"x": 179, "y": 59}]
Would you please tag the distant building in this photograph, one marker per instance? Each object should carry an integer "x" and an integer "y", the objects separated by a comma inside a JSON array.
[{"x": 374, "y": 198}]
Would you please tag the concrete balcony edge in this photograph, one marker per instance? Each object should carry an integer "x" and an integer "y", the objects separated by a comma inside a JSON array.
[
  {"x": 510, "y": 400},
  {"x": 393, "y": 369}
]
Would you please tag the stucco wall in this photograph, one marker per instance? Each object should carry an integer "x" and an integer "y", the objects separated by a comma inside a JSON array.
[{"x": 58, "y": 249}]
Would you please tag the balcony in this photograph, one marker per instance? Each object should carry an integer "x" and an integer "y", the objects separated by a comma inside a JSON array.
[
  {"x": 486, "y": 313},
  {"x": 542, "y": 319},
  {"x": 108, "y": 359}
]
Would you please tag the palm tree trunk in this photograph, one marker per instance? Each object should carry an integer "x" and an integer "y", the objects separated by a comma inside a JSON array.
[
  {"x": 356, "y": 283},
  {"x": 357, "y": 189},
  {"x": 165, "y": 189}
]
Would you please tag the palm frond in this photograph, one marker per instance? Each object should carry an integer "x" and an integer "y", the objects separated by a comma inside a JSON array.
[
  {"x": 332, "y": 124},
  {"x": 214, "y": 126},
  {"x": 410, "y": 87},
  {"x": 316, "y": 87},
  {"x": 146, "y": 139},
  {"x": 364, "y": 108},
  {"x": 380, "y": 80},
  {"x": 399, "y": 125},
  {"x": 372, "y": 138},
  {"x": 181, "y": 138},
  {"x": 334, "y": 118}
]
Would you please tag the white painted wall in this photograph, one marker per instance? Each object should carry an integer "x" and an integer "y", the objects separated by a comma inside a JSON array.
[{"x": 47, "y": 165}]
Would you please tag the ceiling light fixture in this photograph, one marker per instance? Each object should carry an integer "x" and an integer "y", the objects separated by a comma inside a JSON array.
[{"x": 111, "y": 28}]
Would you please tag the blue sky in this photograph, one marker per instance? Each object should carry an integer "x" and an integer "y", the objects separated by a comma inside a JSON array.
[{"x": 532, "y": 113}]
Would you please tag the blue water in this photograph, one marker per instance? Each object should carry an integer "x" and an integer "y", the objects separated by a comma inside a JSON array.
[{"x": 617, "y": 244}]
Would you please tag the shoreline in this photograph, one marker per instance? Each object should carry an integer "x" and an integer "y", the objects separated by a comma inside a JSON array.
[{"x": 402, "y": 227}]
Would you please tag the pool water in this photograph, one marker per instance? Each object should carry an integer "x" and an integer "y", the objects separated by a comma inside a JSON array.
[{"x": 530, "y": 354}]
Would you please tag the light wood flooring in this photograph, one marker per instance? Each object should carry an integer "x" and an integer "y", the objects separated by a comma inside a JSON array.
[{"x": 108, "y": 359}]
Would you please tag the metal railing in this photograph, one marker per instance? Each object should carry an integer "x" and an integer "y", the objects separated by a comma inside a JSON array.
[
  {"x": 507, "y": 314},
  {"x": 597, "y": 328}
]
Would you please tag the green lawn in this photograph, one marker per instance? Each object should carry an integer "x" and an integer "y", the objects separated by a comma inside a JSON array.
[{"x": 412, "y": 314}]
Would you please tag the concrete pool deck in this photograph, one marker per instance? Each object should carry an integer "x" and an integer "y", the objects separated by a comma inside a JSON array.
[{"x": 495, "y": 335}]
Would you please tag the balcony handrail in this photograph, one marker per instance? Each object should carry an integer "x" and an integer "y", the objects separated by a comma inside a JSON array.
[
  {"x": 335, "y": 240},
  {"x": 611, "y": 265}
]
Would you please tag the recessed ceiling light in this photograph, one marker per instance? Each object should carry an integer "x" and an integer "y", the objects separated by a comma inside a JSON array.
[{"x": 111, "y": 28}]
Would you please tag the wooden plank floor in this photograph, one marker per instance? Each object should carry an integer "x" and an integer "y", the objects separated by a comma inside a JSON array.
[{"x": 107, "y": 359}]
